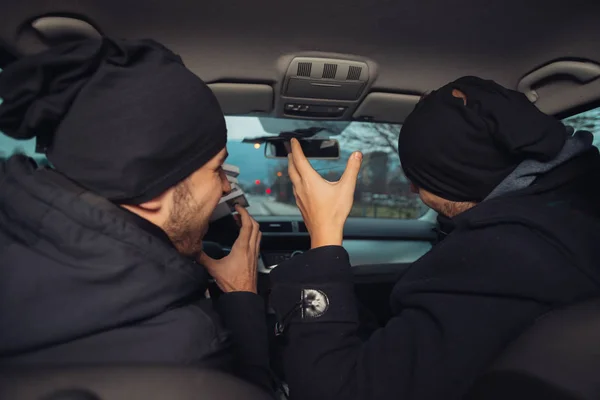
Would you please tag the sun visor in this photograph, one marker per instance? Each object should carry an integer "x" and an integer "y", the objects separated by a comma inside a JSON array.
[
  {"x": 243, "y": 98},
  {"x": 386, "y": 107}
]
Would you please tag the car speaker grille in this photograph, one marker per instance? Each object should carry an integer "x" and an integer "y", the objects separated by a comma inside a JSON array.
[
  {"x": 354, "y": 73},
  {"x": 329, "y": 71},
  {"x": 304, "y": 69}
]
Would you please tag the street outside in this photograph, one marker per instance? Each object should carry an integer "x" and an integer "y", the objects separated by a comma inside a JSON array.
[
  {"x": 264, "y": 205},
  {"x": 267, "y": 205}
]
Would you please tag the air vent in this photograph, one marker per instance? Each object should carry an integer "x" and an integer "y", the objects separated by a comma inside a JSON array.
[
  {"x": 276, "y": 227},
  {"x": 304, "y": 69},
  {"x": 354, "y": 73},
  {"x": 302, "y": 227},
  {"x": 329, "y": 71}
]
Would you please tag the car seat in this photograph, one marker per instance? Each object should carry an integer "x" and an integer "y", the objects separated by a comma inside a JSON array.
[
  {"x": 558, "y": 358},
  {"x": 123, "y": 383}
]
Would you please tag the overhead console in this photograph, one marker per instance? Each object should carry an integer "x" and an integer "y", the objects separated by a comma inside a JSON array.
[
  {"x": 330, "y": 79},
  {"x": 326, "y": 88}
]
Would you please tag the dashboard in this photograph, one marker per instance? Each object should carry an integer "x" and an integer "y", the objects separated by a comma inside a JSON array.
[
  {"x": 380, "y": 252},
  {"x": 368, "y": 241},
  {"x": 361, "y": 252}
]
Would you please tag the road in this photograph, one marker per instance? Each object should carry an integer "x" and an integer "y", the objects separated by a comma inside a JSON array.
[{"x": 266, "y": 206}]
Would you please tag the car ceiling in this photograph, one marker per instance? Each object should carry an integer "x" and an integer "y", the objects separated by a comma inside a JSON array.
[{"x": 417, "y": 45}]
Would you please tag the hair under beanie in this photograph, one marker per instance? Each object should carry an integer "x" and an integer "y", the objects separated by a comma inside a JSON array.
[
  {"x": 123, "y": 118},
  {"x": 462, "y": 152}
]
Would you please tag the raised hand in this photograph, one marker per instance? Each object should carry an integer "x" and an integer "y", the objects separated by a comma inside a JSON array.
[
  {"x": 238, "y": 271},
  {"x": 324, "y": 205}
]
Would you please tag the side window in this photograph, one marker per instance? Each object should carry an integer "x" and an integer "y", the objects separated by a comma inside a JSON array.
[
  {"x": 9, "y": 146},
  {"x": 587, "y": 121}
]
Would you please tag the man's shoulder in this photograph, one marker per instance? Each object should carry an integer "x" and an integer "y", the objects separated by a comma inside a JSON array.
[
  {"x": 525, "y": 224},
  {"x": 493, "y": 228},
  {"x": 507, "y": 250},
  {"x": 505, "y": 261},
  {"x": 494, "y": 213},
  {"x": 187, "y": 334},
  {"x": 192, "y": 330}
]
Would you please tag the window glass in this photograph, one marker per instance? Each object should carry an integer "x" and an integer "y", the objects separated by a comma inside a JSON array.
[
  {"x": 587, "y": 121},
  {"x": 382, "y": 190},
  {"x": 9, "y": 146}
]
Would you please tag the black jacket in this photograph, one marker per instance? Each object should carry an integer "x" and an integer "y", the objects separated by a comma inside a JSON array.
[
  {"x": 507, "y": 261},
  {"x": 83, "y": 281}
]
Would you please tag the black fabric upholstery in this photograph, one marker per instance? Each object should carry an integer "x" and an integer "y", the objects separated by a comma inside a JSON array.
[
  {"x": 517, "y": 385},
  {"x": 557, "y": 358},
  {"x": 124, "y": 383}
]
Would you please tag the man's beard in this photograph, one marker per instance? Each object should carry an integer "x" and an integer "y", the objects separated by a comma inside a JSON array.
[
  {"x": 451, "y": 208},
  {"x": 185, "y": 227}
]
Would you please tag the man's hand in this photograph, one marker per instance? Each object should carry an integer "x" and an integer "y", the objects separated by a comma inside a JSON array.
[
  {"x": 237, "y": 272},
  {"x": 324, "y": 205}
]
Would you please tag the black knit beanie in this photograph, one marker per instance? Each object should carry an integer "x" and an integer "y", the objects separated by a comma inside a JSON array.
[{"x": 122, "y": 118}]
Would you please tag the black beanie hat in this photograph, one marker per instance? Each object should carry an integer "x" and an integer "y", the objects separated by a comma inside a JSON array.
[
  {"x": 122, "y": 118},
  {"x": 462, "y": 152}
]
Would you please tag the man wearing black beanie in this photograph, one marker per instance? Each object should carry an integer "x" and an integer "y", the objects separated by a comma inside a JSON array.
[
  {"x": 521, "y": 191},
  {"x": 98, "y": 253}
]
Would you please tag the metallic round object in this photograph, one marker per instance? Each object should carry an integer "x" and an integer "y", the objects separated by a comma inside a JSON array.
[{"x": 315, "y": 303}]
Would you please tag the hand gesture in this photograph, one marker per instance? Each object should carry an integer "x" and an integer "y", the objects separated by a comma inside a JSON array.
[
  {"x": 324, "y": 205},
  {"x": 238, "y": 271}
]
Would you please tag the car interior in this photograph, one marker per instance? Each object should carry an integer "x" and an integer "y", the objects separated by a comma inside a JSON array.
[{"x": 347, "y": 73}]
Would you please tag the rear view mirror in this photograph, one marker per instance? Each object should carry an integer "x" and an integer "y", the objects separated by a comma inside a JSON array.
[{"x": 321, "y": 149}]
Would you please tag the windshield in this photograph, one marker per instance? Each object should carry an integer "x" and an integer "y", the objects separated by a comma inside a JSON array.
[{"x": 382, "y": 189}]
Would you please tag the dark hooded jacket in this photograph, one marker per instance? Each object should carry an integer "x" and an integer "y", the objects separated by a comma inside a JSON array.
[
  {"x": 506, "y": 262},
  {"x": 528, "y": 246},
  {"x": 83, "y": 281}
]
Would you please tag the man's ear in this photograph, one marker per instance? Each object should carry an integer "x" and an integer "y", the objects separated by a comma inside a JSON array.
[
  {"x": 152, "y": 207},
  {"x": 458, "y": 94}
]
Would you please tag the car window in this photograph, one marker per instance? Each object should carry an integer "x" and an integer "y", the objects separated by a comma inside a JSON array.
[
  {"x": 382, "y": 190},
  {"x": 587, "y": 121},
  {"x": 10, "y": 146}
]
